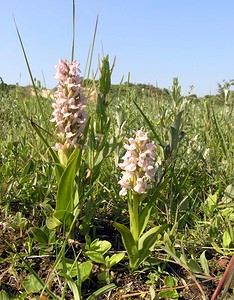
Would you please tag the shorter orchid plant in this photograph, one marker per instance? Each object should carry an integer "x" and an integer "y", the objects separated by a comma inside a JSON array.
[{"x": 139, "y": 167}]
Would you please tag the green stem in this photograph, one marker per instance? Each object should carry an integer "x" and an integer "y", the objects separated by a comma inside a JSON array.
[
  {"x": 135, "y": 213},
  {"x": 134, "y": 216}
]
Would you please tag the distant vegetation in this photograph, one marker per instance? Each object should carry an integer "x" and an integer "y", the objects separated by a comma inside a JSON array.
[{"x": 224, "y": 89}]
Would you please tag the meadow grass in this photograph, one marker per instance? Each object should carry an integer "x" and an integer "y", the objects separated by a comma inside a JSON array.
[{"x": 194, "y": 139}]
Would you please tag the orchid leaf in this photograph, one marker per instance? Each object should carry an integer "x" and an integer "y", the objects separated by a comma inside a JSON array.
[
  {"x": 144, "y": 218},
  {"x": 146, "y": 241},
  {"x": 63, "y": 216},
  {"x": 66, "y": 183},
  {"x": 128, "y": 241}
]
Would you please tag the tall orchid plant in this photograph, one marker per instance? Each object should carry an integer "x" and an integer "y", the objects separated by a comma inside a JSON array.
[
  {"x": 71, "y": 123},
  {"x": 138, "y": 170}
]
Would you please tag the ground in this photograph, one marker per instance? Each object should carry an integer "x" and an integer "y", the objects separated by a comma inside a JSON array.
[{"x": 129, "y": 285}]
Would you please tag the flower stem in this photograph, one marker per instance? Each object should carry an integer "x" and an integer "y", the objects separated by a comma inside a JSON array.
[
  {"x": 135, "y": 213},
  {"x": 133, "y": 206}
]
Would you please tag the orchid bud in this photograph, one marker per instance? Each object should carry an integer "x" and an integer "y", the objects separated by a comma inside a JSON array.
[{"x": 105, "y": 79}]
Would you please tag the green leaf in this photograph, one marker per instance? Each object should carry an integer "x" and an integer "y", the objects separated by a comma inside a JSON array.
[
  {"x": 228, "y": 213},
  {"x": 178, "y": 121},
  {"x": 175, "y": 135},
  {"x": 40, "y": 235},
  {"x": 73, "y": 286},
  {"x": 214, "y": 232},
  {"x": 66, "y": 184},
  {"x": 115, "y": 258},
  {"x": 103, "y": 290},
  {"x": 226, "y": 239},
  {"x": 75, "y": 269},
  {"x": 194, "y": 266},
  {"x": 95, "y": 256},
  {"x": 103, "y": 276},
  {"x": 211, "y": 202},
  {"x": 30, "y": 166},
  {"x": 4, "y": 295},
  {"x": 100, "y": 246},
  {"x": 144, "y": 217},
  {"x": 228, "y": 194},
  {"x": 47, "y": 207},
  {"x": 169, "y": 249},
  {"x": 169, "y": 294},
  {"x": 170, "y": 281},
  {"x": 173, "y": 138},
  {"x": 85, "y": 269},
  {"x": 25, "y": 179},
  {"x": 222, "y": 138},
  {"x": 204, "y": 263},
  {"x": 146, "y": 241},
  {"x": 64, "y": 216},
  {"x": 99, "y": 158},
  {"x": 52, "y": 222},
  {"x": 128, "y": 241},
  {"x": 217, "y": 248},
  {"x": 32, "y": 285},
  {"x": 152, "y": 293}
]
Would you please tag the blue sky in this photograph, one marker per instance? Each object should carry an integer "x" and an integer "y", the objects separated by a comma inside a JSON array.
[{"x": 154, "y": 40}]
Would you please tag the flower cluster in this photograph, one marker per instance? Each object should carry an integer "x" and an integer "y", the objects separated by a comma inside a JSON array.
[
  {"x": 69, "y": 107},
  {"x": 138, "y": 164}
]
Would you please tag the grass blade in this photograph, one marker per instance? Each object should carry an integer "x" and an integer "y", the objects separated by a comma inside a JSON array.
[
  {"x": 73, "y": 29},
  {"x": 90, "y": 56},
  {"x": 102, "y": 291},
  {"x": 31, "y": 76}
]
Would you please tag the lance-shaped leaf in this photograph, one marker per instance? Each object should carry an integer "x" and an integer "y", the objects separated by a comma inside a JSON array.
[
  {"x": 64, "y": 200},
  {"x": 146, "y": 241},
  {"x": 73, "y": 286},
  {"x": 128, "y": 242},
  {"x": 144, "y": 218}
]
